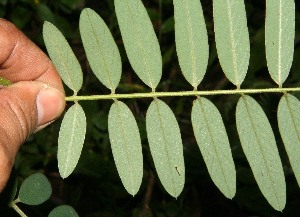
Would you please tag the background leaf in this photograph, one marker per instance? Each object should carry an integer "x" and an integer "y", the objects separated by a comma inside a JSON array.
[
  {"x": 289, "y": 126},
  {"x": 63, "y": 211},
  {"x": 232, "y": 38},
  {"x": 126, "y": 146},
  {"x": 191, "y": 40},
  {"x": 259, "y": 145},
  {"x": 101, "y": 49},
  {"x": 63, "y": 57},
  {"x": 280, "y": 36},
  {"x": 214, "y": 145},
  {"x": 35, "y": 190},
  {"x": 166, "y": 146},
  {"x": 140, "y": 41},
  {"x": 71, "y": 139}
]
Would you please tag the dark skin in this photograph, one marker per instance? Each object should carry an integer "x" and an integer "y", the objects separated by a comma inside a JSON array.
[{"x": 35, "y": 98}]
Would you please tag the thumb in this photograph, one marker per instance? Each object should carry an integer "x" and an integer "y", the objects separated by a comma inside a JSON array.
[{"x": 24, "y": 106}]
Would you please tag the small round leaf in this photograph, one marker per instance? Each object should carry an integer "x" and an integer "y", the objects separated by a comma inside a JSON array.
[
  {"x": 63, "y": 211},
  {"x": 35, "y": 190}
]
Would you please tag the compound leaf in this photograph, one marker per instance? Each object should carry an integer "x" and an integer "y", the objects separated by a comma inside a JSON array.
[
  {"x": 214, "y": 145},
  {"x": 63, "y": 57},
  {"x": 232, "y": 38},
  {"x": 35, "y": 190},
  {"x": 259, "y": 145},
  {"x": 101, "y": 50},
  {"x": 140, "y": 41},
  {"x": 126, "y": 146},
  {"x": 71, "y": 139},
  {"x": 166, "y": 146},
  {"x": 280, "y": 35},
  {"x": 191, "y": 40},
  {"x": 63, "y": 211},
  {"x": 289, "y": 126}
]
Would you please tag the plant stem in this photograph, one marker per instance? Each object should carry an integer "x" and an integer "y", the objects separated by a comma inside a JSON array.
[
  {"x": 183, "y": 93},
  {"x": 17, "y": 209}
]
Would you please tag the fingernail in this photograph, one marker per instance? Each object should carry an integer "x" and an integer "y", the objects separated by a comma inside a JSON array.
[{"x": 50, "y": 104}]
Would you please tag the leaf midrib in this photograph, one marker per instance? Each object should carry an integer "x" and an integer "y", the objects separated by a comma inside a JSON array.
[
  {"x": 259, "y": 146},
  {"x": 235, "y": 65},
  {"x": 214, "y": 143},
  {"x": 72, "y": 139},
  {"x": 123, "y": 135},
  {"x": 55, "y": 45},
  {"x": 103, "y": 60},
  {"x": 280, "y": 44},
  {"x": 190, "y": 33},
  {"x": 165, "y": 143},
  {"x": 140, "y": 45}
]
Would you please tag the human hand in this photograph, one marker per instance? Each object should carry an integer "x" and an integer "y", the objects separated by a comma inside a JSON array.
[{"x": 35, "y": 99}]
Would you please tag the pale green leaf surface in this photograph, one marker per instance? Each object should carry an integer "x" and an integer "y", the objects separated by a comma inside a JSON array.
[
  {"x": 259, "y": 145},
  {"x": 126, "y": 146},
  {"x": 289, "y": 126},
  {"x": 214, "y": 145},
  {"x": 232, "y": 38},
  {"x": 71, "y": 139},
  {"x": 191, "y": 40},
  {"x": 62, "y": 57},
  {"x": 101, "y": 50},
  {"x": 35, "y": 190},
  {"x": 63, "y": 211},
  {"x": 140, "y": 40},
  {"x": 166, "y": 146},
  {"x": 280, "y": 35}
]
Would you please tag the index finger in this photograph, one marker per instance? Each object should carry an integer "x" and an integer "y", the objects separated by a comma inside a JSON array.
[{"x": 22, "y": 60}]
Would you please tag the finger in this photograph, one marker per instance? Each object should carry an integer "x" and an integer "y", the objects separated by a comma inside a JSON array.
[
  {"x": 22, "y": 60},
  {"x": 24, "y": 106}
]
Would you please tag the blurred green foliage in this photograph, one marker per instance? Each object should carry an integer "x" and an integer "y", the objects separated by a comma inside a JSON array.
[{"x": 94, "y": 189}]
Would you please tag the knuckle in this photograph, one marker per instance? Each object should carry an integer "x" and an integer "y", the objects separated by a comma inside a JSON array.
[{"x": 18, "y": 115}]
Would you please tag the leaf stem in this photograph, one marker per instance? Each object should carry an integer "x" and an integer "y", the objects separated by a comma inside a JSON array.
[
  {"x": 17, "y": 209},
  {"x": 181, "y": 93}
]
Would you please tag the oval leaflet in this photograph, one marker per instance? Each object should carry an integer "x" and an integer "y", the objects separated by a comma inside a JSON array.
[
  {"x": 71, "y": 139},
  {"x": 166, "y": 146},
  {"x": 214, "y": 145},
  {"x": 62, "y": 57},
  {"x": 126, "y": 146},
  {"x": 259, "y": 145}
]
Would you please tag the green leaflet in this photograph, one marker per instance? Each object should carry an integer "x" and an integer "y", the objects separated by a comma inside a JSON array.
[
  {"x": 280, "y": 35},
  {"x": 289, "y": 126},
  {"x": 260, "y": 148},
  {"x": 214, "y": 145},
  {"x": 232, "y": 38},
  {"x": 63, "y": 211},
  {"x": 71, "y": 139},
  {"x": 191, "y": 40},
  {"x": 166, "y": 146},
  {"x": 101, "y": 49},
  {"x": 35, "y": 190},
  {"x": 126, "y": 146},
  {"x": 4, "y": 82},
  {"x": 63, "y": 57},
  {"x": 140, "y": 41}
]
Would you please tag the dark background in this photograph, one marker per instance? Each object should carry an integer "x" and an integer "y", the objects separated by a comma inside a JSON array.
[{"x": 94, "y": 189}]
